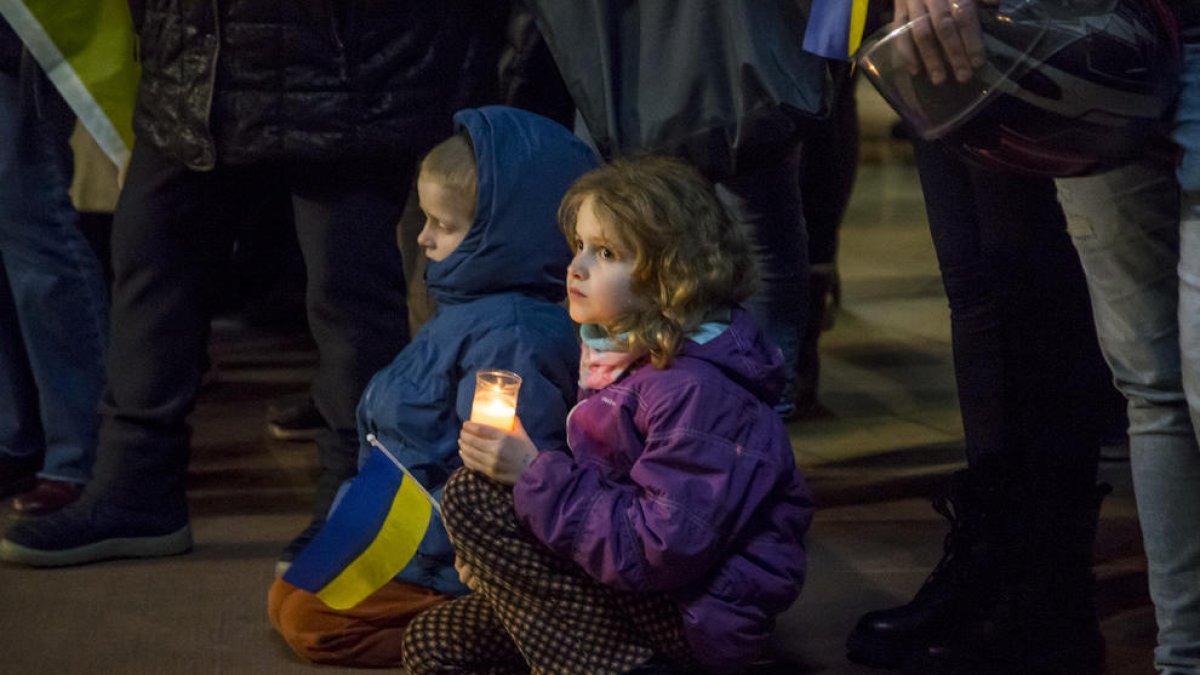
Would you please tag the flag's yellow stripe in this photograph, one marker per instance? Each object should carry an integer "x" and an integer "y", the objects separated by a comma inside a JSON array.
[
  {"x": 858, "y": 23},
  {"x": 397, "y": 541},
  {"x": 106, "y": 62}
]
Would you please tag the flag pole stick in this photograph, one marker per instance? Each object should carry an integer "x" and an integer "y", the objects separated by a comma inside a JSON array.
[{"x": 374, "y": 440}]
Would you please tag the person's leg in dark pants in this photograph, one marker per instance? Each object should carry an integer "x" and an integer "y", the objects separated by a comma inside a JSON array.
[
  {"x": 169, "y": 231},
  {"x": 346, "y": 216},
  {"x": 1015, "y": 586},
  {"x": 766, "y": 200},
  {"x": 828, "y": 167},
  {"x": 1028, "y": 366}
]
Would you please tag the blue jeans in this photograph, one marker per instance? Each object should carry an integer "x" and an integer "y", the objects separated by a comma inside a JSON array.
[
  {"x": 1137, "y": 230},
  {"x": 53, "y": 300}
]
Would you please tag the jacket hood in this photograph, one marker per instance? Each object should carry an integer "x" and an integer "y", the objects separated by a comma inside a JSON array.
[
  {"x": 745, "y": 355},
  {"x": 525, "y": 163}
]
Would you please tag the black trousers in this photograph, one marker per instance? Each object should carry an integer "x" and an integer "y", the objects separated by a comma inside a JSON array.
[
  {"x": 1033, "y": 387},
  {"x": 173, "y": 232}
]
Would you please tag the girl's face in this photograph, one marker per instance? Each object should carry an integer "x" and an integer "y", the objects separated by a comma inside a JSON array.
[{"x": 598, "y": 279}]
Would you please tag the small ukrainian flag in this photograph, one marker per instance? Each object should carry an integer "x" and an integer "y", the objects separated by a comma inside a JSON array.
[
  {"x": 835, "y": 28},
  {"x": 372, "y": 534}
]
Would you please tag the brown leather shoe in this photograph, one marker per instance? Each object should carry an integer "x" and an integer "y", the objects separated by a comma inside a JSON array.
[{"x": 48, "y": 497}]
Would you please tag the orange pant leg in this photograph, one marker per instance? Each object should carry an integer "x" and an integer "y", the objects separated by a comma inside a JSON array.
[{"x": 369, "y": 635}]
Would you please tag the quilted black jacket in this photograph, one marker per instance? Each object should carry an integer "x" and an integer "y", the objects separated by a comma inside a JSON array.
[{"x": 244, "y": 81}]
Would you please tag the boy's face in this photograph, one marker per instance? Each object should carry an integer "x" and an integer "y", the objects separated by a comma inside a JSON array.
[
  {"x": 448, "y": 217},
  {"x": 599, "y": 277}
]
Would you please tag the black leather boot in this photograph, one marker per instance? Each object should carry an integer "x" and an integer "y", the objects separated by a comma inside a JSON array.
[
  {"x": 978, "y": 559},
  {"x": 1046, "y": 623}
]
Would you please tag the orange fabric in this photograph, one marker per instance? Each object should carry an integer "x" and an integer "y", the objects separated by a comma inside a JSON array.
[{"x": 369, "y": 635}]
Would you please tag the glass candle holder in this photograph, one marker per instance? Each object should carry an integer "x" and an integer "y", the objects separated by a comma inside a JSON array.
[{"x": 495, "y": 402}]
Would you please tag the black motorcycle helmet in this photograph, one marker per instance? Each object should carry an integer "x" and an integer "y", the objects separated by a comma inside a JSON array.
[{"x": 1069, "y": 87}]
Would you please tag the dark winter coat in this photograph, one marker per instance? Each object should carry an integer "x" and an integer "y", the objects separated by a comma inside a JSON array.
[
  {"x": 683, "y": 481},
  {"x": 242, "y": 81}
]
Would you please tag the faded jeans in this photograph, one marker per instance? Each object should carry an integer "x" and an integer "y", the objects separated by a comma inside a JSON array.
[
  {"x": 53, "y": 300},
  {"x": 1137, "y": 230}
]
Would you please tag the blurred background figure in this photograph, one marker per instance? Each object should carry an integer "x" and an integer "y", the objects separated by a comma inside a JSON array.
[
  {"x": 1014, "y": 591},
  {"x": 337, "y": 109},
  {"x": 1014, "y": 586},
  {"x": 526, "y": 78},
  {"x": 1137, "y": 230},
  {"x": 724, "y": 86}
]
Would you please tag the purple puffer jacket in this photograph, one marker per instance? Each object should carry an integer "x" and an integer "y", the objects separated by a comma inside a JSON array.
[{"x": 683, "y": 481}]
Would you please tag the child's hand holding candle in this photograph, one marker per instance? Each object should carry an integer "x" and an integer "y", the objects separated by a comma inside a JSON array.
[
  {"x": 501, "y": 455},
  {"x": 494, "y": 442}
]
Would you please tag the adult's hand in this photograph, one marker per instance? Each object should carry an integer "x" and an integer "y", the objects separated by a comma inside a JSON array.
[
  {"x": 948, "y": 38},
  {"x": 500, "y": 455}
]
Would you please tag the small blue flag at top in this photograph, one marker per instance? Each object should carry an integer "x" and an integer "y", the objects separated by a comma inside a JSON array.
[{"x": 835, "y": 28}]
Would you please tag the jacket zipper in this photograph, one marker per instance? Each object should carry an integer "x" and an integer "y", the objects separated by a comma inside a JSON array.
[{"x": 212, "y": 85}]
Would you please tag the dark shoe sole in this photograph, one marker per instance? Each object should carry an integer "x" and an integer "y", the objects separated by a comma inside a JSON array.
[{"x": 175, "y": 543}]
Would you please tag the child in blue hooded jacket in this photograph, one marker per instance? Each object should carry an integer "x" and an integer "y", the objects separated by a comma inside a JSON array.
[{"x": 497, "y": 262}]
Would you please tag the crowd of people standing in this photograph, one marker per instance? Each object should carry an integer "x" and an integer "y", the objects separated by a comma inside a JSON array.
[{"x": 683, "y": 528}]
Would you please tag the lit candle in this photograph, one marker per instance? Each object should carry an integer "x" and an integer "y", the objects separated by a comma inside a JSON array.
[
  {"x": 494, "y": 413},
  {"x": 495, "y": 402}
]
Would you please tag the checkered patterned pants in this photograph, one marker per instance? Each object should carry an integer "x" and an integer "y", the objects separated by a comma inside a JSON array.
[{"x": 533, "y": 611}]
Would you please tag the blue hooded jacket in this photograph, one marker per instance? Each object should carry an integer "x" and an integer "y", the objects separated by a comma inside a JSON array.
[{"x": 498, "y": 298}]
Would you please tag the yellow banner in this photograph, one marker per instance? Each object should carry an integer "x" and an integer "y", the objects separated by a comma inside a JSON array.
[
  {"x": 87, "y": 48},
  {"x": 858, "y": 23}
]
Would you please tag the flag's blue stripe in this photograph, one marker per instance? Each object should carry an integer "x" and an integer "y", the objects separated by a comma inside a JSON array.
[{"x": 828, "y": 30}]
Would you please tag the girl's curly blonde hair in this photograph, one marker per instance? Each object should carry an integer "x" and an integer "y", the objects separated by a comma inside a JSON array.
[{"x": 690, "y": 258}]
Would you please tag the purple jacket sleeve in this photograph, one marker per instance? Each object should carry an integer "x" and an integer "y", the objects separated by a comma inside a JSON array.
[{"x": 668, "y": 521}]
